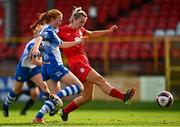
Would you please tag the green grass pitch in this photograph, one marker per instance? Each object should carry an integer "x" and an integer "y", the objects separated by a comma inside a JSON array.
[{"x": 98, "y": 113}]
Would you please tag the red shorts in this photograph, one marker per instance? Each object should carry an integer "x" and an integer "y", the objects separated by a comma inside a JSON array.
[{"x": 80, "y": 70}]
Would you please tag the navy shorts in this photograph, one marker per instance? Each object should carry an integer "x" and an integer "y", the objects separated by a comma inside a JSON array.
[
  {"x": 24, "y": 74},
  {"x": 55, "y": 73}
]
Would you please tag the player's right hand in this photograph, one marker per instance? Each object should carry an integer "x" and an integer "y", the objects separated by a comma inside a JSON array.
[{"x": 34, "y": 52}]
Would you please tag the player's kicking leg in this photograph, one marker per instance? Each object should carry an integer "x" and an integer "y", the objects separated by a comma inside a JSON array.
[
  {"x": 127, "y": 100},
  {"x": 64, "y": 116}
]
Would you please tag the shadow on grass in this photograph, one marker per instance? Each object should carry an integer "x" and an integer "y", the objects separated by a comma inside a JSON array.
[
  {"x": 77, "y": 124},
  {"x": 57, "y": 123}
]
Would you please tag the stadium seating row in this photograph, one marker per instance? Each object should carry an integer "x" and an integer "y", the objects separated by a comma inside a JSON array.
[{"x": 143, "y": 20}]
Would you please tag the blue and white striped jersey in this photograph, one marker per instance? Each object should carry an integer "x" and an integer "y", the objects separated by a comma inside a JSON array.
[
  {"x": 25, "y": 60},
  {"x": 51, "y": 43}
]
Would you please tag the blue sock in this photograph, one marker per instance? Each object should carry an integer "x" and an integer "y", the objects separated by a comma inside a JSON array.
[{"x": 69, "y": 90}]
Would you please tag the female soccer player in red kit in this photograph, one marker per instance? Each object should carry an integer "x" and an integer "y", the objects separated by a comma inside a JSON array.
[{"x": 78, "y": 63}]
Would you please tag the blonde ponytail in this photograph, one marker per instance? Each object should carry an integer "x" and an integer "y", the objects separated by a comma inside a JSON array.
[{"x": 77, "y": 13}]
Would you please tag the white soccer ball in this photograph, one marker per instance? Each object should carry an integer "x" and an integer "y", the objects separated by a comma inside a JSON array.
[{"x": 164, "y": 99}]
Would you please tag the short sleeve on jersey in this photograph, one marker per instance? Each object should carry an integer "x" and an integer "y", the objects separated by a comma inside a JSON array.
[{"x": 51, "y": 36}]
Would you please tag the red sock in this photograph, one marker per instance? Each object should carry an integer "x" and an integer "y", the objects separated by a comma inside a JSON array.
[
  {"x": 116, "y": 93},
  {"x": 70, "y": 107}
]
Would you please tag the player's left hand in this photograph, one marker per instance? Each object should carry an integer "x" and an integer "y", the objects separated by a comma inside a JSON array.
[{"x": 112, "y": 28}]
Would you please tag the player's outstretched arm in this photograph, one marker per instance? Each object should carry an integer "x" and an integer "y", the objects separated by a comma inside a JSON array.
[
  {"x": 99, "y": 33},
  {"x": 67, "y": 44}
]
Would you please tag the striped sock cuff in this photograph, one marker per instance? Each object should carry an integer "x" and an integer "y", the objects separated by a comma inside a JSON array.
[
  {"x": 70, "y": 90},
  {"x": 50, "y": 104},
  {"x": 12, "y": 94},
  {"x": 11, "y": 97}
]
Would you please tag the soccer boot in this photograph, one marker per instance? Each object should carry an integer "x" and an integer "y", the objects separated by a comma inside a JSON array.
[
  {"x": 128, "y": 96},
  {"x": 5, "y": 108},
  {"x": 38, "y": 121},
  {"x": 64, "y": 116},
  {"x": 53, "y": 112},
  {"x": 56, "y": 100}
]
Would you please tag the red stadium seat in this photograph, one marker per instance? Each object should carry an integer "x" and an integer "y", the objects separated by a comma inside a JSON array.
[
  {"x": 3, "y": 50},
  {"x": 162, "y": 25},
  {"x": 123, "y": 54},
  {"x": 137, "y": 2},
  {"x": 146, "y": 46},
  {"x": 113, "y": 55},
  {"x": 134, "y": 54},
  {"x": 20, "y": 50},
  {"x": 126, "y": 5},
  {"x": 134, "y": 14},
  {"x": 157, "y": 2},
  {"x": 139, "y": 32},
  {"x": 144, "y": 55},
  {"x": 33, "y": 9},
  {"x": 149, "y": 32}
]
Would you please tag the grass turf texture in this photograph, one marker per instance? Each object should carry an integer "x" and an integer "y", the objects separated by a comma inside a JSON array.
[{"x": 98, "y": 113}]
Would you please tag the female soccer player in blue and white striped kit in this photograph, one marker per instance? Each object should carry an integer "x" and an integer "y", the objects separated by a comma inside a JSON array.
[
  {"x": 53, "y": 69},
  {"x": 27, "y": 69}
]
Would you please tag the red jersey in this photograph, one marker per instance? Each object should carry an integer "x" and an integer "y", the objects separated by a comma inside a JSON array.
[{"x": 76, "y": 53}]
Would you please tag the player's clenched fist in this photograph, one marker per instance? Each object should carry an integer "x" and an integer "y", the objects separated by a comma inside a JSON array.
[{"x": 112, "y": 28}]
